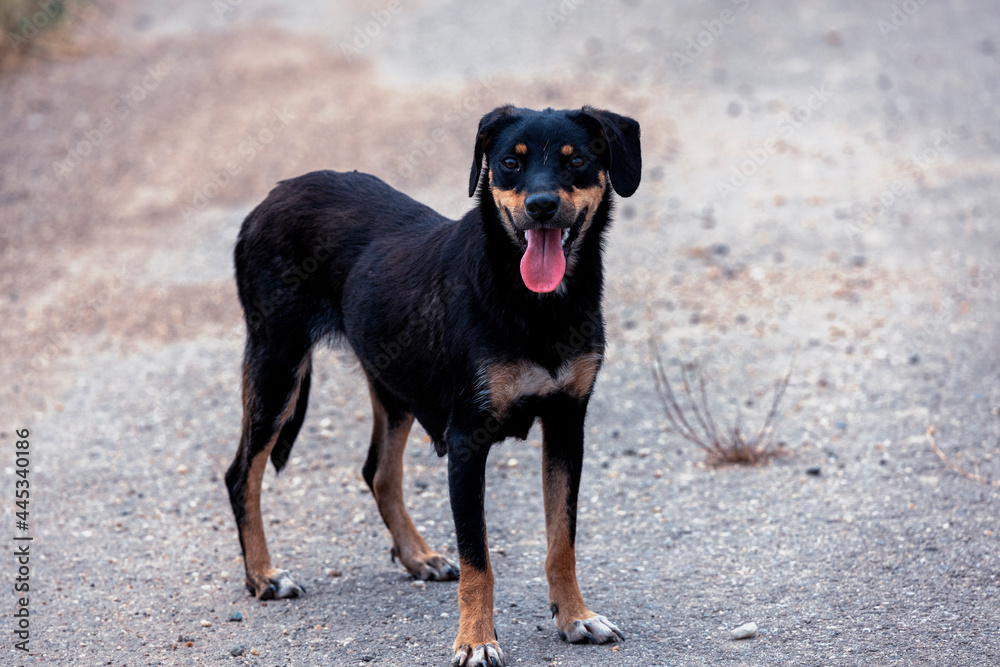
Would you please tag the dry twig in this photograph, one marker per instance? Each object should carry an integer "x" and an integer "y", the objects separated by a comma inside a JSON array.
[
  {"x": 951, "y": 465},
  {"x": 728, "y": 447}
]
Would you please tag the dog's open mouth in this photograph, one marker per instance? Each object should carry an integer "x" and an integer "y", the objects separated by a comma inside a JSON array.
[
  {"x": 545, "y": 249},
  {"x": 569, "y": 234}
]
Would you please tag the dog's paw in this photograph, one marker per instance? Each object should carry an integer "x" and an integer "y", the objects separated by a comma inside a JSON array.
[
  {"x": 437, "y": 568},
  {"x": 594, "y": 630},
  {"x": 274, "y": 584},
  {"x": 481, "y": 655},
  {"x": 428, "y": 566}
]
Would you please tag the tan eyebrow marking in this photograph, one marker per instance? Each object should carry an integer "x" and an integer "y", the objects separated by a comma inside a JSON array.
[
  {"x": 521, "y": 149},
  {"x": 567, "y": 150}
]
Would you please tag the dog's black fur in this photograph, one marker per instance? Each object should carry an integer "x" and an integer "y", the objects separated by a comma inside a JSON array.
[{"x": 446, "y": 330}]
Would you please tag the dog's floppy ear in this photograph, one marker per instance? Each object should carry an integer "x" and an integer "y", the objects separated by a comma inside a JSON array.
[
  {"x": 489, "y": 125},
  {"x": 616, "y": 140}
]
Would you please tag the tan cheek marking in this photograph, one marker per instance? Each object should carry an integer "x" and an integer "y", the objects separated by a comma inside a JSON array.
[
  {"x": 521, "y": 149},
  {"x": 567, "y": 150},
  {"x": 585, "y": 198},
  {"x": 508, "y": 198},
  {"x": 591, "y": 198},
  {"x": 508, "y": 202}
]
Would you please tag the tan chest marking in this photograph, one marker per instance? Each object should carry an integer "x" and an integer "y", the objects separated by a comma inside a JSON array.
[{"x": 505, "y": 384}]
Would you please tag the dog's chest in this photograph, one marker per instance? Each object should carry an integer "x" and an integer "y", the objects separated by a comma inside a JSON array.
[{"x": 504, "y": 384}]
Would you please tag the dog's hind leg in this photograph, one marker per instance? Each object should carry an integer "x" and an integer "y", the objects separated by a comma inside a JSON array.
[
  {"x": 275, "y": 394},
  {"x": 383, "y": 471}
]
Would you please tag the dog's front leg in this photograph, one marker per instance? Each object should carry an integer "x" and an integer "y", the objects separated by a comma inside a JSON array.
[
  {"x": 562, "y": 462},
  {"x": 476, "y": 644}
]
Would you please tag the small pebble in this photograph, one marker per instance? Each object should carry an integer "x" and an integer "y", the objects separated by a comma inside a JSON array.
[
  {"x": 206, "y": 624},
  {"x": 419, "y": 584},
  {"x": 745, "y": 631},
  {"x": 237, "y": 650},
  {"x": 330, "y": 572},
  {"x": 815, "y": 471},
  {"x": 254, "y": 651},
  {"x": 235, "y": 616},
  {"x": 511, "y": 463}
]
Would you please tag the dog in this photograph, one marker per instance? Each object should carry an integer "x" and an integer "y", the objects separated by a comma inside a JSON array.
[{"x": 475, "y": 328}]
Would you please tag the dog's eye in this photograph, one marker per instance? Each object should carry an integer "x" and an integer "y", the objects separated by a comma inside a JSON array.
[
  {"x": 577, "y": 161},
  {"x": 509, "y": 162}
]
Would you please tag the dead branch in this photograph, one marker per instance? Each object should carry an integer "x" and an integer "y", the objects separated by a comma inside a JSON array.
[
  {"x": 951, "y": 465},
  {"x": 722, "y": 447}
]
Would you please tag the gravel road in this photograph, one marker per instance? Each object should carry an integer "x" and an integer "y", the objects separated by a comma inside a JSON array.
[{"x": 820, "y": 185}]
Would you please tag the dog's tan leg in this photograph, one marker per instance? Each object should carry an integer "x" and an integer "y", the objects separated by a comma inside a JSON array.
[
  {"x": 262, "y": 430},
  {"x": 384, "y": 474},
  {"x": 476, "y": 641},
  {"x": 476, "y": 644},
  {"x": 562, "y": 459}
]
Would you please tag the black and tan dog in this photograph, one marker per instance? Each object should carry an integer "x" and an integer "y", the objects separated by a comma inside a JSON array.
[{"x": 473, "y": 327}]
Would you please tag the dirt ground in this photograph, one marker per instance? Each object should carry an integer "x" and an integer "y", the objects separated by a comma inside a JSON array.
[{"x": 819, "y": 185}]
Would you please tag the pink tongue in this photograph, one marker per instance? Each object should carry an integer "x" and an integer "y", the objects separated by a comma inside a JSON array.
[{"x": 544, "y": 263}]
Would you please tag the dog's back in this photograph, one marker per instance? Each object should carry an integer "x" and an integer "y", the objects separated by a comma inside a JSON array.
[{"x": 296, "y": 249}]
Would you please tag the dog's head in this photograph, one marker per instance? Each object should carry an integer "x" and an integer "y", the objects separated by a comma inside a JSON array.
[{"x": 548, "y": 172}]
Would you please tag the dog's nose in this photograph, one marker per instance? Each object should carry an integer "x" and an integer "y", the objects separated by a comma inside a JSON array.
[{"x": 541, "y": 206}]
